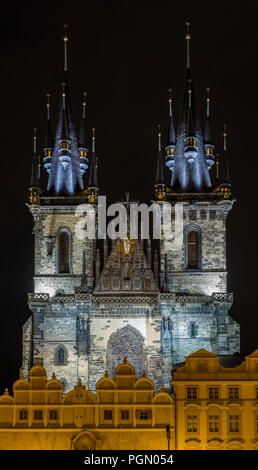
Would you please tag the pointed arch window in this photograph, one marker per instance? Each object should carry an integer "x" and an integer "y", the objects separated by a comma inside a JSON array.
[
  {"x": 61, "y": 356},
  {"x": 64, "y": 251},
  {"x": 193, "y": 248}
]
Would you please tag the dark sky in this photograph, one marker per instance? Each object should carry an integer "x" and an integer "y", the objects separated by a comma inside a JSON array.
[{"x": 126, "y": 55}]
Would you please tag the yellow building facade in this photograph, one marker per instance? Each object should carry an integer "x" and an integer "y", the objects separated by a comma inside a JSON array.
[{"x": 210, "y": 407}]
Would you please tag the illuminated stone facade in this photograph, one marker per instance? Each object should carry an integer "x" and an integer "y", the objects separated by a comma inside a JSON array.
[
  {"x": 95, "y": 301},
  {"x": 210, "y": 407}
]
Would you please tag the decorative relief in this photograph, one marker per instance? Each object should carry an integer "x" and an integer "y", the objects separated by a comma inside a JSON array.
[{"x": 126, "y": 342}]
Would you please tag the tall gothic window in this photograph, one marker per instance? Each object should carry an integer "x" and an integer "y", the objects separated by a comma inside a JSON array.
[
  {"x": 193, "y": 249},
  {"x": 64, "y": 253},
  {"x": 61, "y": 356}
]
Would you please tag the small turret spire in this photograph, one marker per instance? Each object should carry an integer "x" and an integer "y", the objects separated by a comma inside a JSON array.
[
  {"x": 65, "y": 48},
  {"x": 209, "y": 147},
  {"x": 93, "y": 177},
  {"x": 160, "y": 185},
  {"x": 225, "y": 162},
  {"x": 187, "y": 37},
  {"x": 217, "y": 167},
  {"x": 171, "y": 144},
  {"x": 48, "y": 150},
  {"x": 34, "y": 189},
  {"x": 83, "y": 150}
]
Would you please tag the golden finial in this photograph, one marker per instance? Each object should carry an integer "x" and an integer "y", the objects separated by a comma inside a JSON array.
[
  {"x": 84, "y": 98},
  {"x": 6, "y": 392},
  {"x": 159, "y": 130},
  {"x": 48, "y": 100},
  {"x": 80, "y": 382},
  {"x": 143, "y": 373},
  {"x": 66, "y": 32},
  {"x": 34, "y": 133},
  {"x": 106, "y": 373},
  {"x": 125, "y": 360},
  {"x": 38, "y": 363},
  {"x": 93, "y": 133},
  {"x": 208, "y": 94},
  {"x": 170, "y": 95},
  {"x": 53, "y": 375},
  {"x": 162, "y": 389},
  {"x": 189, "y": 85},
  {"x": 187, "y": 36},
  {"x": 21, "y": 375},
  {"x": 225, "y": 132},
  {"x": 63, "y": 87}
]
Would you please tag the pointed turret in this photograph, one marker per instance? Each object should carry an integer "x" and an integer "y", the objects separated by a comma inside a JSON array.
[
  {"x": 160, "y": 186},
  {"x": 49, "y": 143},
  {"x": 190, "y": 172},
  {"x": 223, "y": 184},
  {"x": 65, "y": 177},
  {"x": 171, "y": 144},
  {"x": 83, "y": 150},
  {"x": 93, "y": 177},
  {"x": 209, "y": 147},
  {"x": 64, "y": 143},
  {"x": 34, "y": 189},
  {"x": 190, "y": 139}
]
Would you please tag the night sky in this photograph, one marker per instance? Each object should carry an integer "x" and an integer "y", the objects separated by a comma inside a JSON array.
[{"x": 126, "y": 55}]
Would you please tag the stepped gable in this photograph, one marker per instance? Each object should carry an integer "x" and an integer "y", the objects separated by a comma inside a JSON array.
[{"x": 126, "y": 270}]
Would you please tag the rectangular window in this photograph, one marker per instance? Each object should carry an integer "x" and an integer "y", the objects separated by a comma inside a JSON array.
[
  {"x": 124, "y": 414},
  {"x": 108, "y": 415},
  {"x": 213, "y": 393},
  {"x": 191, "y": 393},
  {"x": 213, "y": 423},
  {"x": 203, "y": 215},
  {"x": 212, "y": 215},
  {"x": 38, "y": 415},
  {"x": 233, "y": 393},
  {"x": 143, "y": 414},
  {"x": 53, "y": 414},
  {"x": 191, "y": 423},
  {"x": 23, "y": 414},
  {"x": 234, "y": 423}
]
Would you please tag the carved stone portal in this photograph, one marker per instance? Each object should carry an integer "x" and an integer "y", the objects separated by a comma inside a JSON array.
[{"x": 127, "y": 342}]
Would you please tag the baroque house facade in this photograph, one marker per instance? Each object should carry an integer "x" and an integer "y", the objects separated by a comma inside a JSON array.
[
  {"x": 96, "y": 301},
  {"x": 212, "y": 407}
]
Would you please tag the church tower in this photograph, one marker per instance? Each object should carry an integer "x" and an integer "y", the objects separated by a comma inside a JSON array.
[{"x": 95, "y": 300}]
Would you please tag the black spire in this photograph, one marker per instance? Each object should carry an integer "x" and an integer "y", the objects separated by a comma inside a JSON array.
[
  {"x": 171, "y": 128},
  {"x": 207, "y": 127},
  {"x": 34, "y": 179},
  {"x": 49, "y": 135},
  {"x": 160, "y": 166},
  {"x": 64, "y": 129},
  {"x": 82, "y": 133},
  {"x": 225, "y": 169},
  {"x": 93, "y": 178}
]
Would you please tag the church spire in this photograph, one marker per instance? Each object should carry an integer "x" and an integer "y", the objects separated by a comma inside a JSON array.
[
  {"x": 93, "y": 177},
  {"x": 171, "y": 144},
  {"x": 83, "y": 150},
  {"x": 209, "y": 147},
  {"x": 34, "y": 189},
  {"x": 65, "y": 177},
  {"x": 226, "y": 177},
  {"x": 189, "y": 172},
  {"x": 160, "y": 185}
]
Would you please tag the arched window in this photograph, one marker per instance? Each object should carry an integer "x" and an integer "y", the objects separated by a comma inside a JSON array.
[
  {"x": 193, "y": 242},
  {"x": 192, "y": 247},
  {"x": 61, "y": 356},
  {"x": 64, "y": 253}
]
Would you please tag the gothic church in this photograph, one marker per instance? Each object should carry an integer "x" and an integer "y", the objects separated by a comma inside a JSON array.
[{"x": 94, "y": 302}]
